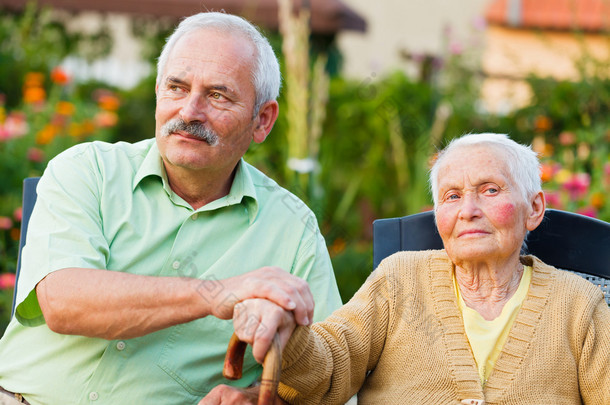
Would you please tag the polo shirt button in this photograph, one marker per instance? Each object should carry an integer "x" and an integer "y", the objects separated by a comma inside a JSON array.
[
  {"x": 93, "y": 396},
  {"x": 194, "y": 216},
  {"x": 120, "y": 345},
  {"x": 176, "y": 265}
]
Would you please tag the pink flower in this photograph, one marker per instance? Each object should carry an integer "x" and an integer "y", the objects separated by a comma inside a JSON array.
[
  {"x": 14, "y": 126},
  {"x": 567, "y": 138},
  {"x": 455, "y": 48},
  {"x": 587, "y": 211},
  {"x": 7, "y": 281},
  {"x": 552, "y": 199},
  {"x": 577, "y": 185},
  {"x": 479, "y": 23},
  {"x": 18, "y": 214},
  {"x": 35, "y": 155},
  {"x": 6, "y": 223}
]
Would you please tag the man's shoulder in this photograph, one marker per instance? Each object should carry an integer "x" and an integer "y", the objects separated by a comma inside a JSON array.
[
  {"x": 109, "y": 150},
  {"x": 103, "y": 156}
]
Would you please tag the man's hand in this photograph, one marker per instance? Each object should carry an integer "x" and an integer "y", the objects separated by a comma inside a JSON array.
[
  {"x": 256, "y": 321},
  {"x": 226, "y": 395},
  {"x": 271, "y": 283}
]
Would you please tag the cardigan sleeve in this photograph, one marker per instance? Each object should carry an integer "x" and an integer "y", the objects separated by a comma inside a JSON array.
[
  {"x": 328, "y": 362},
  {"x": 594, "y": 378}
]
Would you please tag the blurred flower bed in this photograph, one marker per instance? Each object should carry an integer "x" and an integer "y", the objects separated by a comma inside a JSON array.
[{"x": 50, "y": 118}]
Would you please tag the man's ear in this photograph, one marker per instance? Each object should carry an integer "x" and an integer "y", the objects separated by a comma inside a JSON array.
[
  {"x": 264, "y": 120},
  {"x": 538, "y": 206}
]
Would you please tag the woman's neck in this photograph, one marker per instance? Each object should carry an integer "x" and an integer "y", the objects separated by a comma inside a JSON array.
[{"x": 486, "y": 289}]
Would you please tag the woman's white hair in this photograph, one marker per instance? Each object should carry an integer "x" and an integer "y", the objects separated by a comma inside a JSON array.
[
  {"x": 522, "y": 161},
  {"x": 266, "y": 76}
]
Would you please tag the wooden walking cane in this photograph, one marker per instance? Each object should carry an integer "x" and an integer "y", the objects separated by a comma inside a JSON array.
[{"x": 234, "y": 361}]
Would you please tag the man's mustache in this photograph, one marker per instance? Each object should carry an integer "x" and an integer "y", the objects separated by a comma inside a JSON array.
[{"x": 194, "y": 128}]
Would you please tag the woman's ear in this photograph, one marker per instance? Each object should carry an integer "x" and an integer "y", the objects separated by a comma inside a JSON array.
[
  {"x": 538, "y": 206},
  {"x": 264, "y": 120}
]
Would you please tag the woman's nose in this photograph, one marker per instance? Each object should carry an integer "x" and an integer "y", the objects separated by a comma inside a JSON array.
[{"x": 469, "y": 207}]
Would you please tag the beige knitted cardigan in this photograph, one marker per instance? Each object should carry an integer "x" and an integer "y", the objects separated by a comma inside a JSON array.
[{"x": 401, "y": 340}]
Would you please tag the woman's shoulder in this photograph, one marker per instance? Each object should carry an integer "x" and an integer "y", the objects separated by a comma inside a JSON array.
[
  {"x": 413, "y": 266},
  {"x": 567, "y": 284}
]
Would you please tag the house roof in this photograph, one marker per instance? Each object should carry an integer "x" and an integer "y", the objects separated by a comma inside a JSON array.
[
  {"x": 327, "y": 16},
  {"x": 585, "y": 15}
]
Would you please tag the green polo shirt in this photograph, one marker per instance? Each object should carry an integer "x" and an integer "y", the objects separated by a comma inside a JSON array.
[{"x": 109, "y": 206}]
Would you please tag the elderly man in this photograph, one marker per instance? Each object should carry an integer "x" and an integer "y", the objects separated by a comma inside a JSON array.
[{"x": 131, "y": 247}]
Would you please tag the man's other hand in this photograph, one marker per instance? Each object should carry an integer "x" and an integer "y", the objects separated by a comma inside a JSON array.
[{"x": 271, "y": 283}]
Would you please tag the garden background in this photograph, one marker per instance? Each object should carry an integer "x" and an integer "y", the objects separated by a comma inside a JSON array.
[{"x": 361, "y": 150}]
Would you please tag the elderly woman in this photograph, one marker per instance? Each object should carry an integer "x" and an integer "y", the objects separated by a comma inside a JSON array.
[{"x": 475, "y": 323}]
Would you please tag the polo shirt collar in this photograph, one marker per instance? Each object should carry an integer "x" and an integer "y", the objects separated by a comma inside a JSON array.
[{"x": 242, "y": 189}]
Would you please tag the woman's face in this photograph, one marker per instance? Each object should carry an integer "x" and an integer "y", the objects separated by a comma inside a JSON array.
[{"x": 481, "y": 214}]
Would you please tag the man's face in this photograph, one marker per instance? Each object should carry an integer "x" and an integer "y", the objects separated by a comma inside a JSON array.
[{"x": 207, "y": 84}]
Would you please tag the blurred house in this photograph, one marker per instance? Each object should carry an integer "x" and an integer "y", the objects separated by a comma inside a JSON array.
[
  {"x": 401, "y": 34},
  {"x": 124, "y": 66},
  {"x": 548, "y": 38}
]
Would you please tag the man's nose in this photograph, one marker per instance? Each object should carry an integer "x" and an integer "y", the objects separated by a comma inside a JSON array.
[{"x": 194, "y": 108}]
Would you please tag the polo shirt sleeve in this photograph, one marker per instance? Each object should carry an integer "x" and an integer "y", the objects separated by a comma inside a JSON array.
[
  {"x": 313, "y": 264},
  {"x": 65, "y": 228}
]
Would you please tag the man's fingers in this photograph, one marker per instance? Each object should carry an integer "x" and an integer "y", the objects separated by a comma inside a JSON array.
[{"x": 225, "y": 395}]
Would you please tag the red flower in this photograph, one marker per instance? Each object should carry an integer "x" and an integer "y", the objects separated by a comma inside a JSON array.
[
  {"x": 7, "y": 281},
  {"x": 59, "y": 76}
]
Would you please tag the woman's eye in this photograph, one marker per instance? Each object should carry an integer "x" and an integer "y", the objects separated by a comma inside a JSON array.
[
  {"x": 492, "y": 190},
  {"x": 452, "y": 196}
]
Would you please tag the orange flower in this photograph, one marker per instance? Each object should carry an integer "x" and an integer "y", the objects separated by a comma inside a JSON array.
[
  {"x": 108, "y": 102},
  {"x": 33, "y": 79},
  {"x": 546, "y": 172},
  {"x": 33, "y": 94},
  {"x": 15, "y": 234},
  {"x": 598, "y": 200},
  {"x": 65, "y": 108},
  {"x": 542, "y": 123},
  {"x": 59, "y": 76},
  {"x": 105, "y": 119},
  {"x": 88, "y": 127},
  {"x": 46, "y": 135}
]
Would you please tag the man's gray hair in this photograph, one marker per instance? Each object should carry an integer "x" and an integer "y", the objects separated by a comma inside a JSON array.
[
  {"x": 266, "y": 76},
  {"x": 522, "y": 161}
]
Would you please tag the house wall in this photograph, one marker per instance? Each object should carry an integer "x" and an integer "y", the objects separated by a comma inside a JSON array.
[
  {"x": 396, "y": 27},
  {"x": 512, "y": 54},
  {"x": 123, "y": 66}
]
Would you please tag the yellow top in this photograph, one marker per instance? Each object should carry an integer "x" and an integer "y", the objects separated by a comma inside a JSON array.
[{"x": 487, "y": 338}]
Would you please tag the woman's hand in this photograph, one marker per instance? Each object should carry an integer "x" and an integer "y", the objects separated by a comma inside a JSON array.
[{"x": 256, "y": 321}]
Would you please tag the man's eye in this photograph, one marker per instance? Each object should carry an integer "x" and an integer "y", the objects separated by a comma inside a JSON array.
[{"x": 216, "y": 96}]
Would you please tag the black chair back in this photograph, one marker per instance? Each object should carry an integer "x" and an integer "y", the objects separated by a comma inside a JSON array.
[
  {"x": 564, "y": 239},
  {"x": 27, "y": 205}
]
